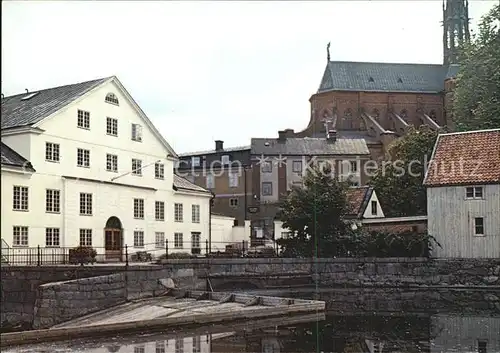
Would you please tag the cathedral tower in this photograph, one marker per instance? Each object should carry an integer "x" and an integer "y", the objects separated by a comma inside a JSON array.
[{"x": 456, "y": 28}]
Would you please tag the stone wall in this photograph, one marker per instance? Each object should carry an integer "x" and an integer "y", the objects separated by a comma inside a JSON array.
[
  {"x": 20, "y": 287},
  {"x": 353, "y": 272},
  {"x": 62, "y": 301},
  {"x": 19, "y": 284}
]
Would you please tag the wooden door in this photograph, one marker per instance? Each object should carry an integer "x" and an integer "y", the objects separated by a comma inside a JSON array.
[{"x": 113, "y": 244}]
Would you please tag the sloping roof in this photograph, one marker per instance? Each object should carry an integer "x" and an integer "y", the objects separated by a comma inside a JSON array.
[
  {"x": 465, "y": 158},
  {"x": 13, "y": 159},
  {"x": 229, "y": 149},
  {"x": 18, "y": 112},
  {"x": 392, "y": 77},
  {"x": 184, "y": 184},
  {"x": 309, "y": 146},
  {"x": 357, "y": 198}
]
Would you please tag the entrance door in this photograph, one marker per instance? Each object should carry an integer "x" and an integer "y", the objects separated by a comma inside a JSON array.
[{"x": 113, "y": 240}]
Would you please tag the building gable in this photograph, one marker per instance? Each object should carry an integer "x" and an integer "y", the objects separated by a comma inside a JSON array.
[{"x": 114, "y": 86}]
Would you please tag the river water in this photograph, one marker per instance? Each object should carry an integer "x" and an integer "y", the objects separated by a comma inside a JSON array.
[{"x": 356, "y": 321}]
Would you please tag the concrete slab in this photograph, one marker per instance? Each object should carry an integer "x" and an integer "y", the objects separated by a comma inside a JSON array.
[{"x": 169, "y": 312}]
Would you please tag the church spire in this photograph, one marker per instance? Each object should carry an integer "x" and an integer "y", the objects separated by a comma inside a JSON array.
[{"x": 456, "y": 28}]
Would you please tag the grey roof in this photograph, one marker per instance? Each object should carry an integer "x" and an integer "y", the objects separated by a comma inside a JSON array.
[
  {"x": 184, "y": 184},
  {"x": 199, "y": 153},
  {"x": 13, "y": 159},
  {"x": 17, "y": 112},
  {"x": 393, "y": 77},
  {"x": 309, "y": 146}
]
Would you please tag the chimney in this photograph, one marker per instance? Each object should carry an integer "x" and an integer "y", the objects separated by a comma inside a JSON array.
[
  {"x": 219, "y": 145},
  {"x": 332, "y": 135},
  {"x": 289, "y": 133},
  {"x": 282, "y": 135}
]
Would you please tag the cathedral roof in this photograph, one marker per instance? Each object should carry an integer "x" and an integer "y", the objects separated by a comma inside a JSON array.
[{"x": 383, "y": 77}]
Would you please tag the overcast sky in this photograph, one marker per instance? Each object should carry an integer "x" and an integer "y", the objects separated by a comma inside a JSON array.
[{"x": 213, "y": 70}]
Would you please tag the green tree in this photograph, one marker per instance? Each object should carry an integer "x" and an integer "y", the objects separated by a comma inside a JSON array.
[
  {"x": 315, "y": 216},
  {"x": 476, "y": 101},
  {"x": 398, "y": 180}
]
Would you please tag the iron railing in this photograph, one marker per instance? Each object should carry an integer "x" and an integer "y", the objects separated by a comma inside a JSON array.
[{"x": 151, "y": 252}]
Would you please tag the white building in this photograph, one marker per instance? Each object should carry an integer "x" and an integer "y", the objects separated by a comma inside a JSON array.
[
  {"x": 83, "y": 165},
  {"x": 463, "y": 194}
]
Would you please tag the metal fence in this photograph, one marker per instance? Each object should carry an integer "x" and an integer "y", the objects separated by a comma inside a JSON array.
[{"x": 152, "y": 252}]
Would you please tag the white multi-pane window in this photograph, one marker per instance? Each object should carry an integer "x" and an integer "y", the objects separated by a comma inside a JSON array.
[
  {"x": 159, "y": 171},
  {"x": 195, "y": 161},
  {"x": 83, "y": 119},
  {"x": 85, "y": 204},
  {"x": 20, "y": 236},
  {"x": 178, "y": 212},
  {"x": 138, "y": 239},
  {"x": 111, "y": 162},
  {"x": 196, "y": 344},
  {"x": 52, "y": 201},
  {"x": 112, "y": 99},
  {"x": 474, "y": 192},
  {"x": 233, "y": 180},
  {"x": 178, "y": 241},
  {"x": 136, "y": 166},
  {"x": 139, "y": 208},
  {"x": 112, "y": 126},
  {"x": 85, "y": 237},
  {"x": 159, "y": 240},
  {"x": 83, "y": 158},
  {"x": 159, "y": 210},
  {"x": 20, "y": 198},
  {"x": 52, "y": 152},
  {"x": 225, "y": 160},
  {"x": 136, "y": 132},
  {"x": 179, "y": 345},
  {"x": 52, "y": 239},
  {"x": 195, "y": 213}
]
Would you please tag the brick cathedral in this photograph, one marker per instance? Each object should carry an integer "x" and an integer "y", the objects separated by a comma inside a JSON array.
[{"x": 379, "y": 101}]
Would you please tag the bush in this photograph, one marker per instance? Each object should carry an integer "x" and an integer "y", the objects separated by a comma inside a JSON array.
[
  {"x": 82, "y": 255},
  {"x": 407, "y": 244},
  {"x": 175, "y": 255}
]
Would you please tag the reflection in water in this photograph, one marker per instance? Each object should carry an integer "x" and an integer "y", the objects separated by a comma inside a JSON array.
[{"x": 361, "y": 322}]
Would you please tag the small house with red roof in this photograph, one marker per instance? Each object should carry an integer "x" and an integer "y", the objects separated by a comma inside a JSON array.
[{"x": 463, "y": 194}]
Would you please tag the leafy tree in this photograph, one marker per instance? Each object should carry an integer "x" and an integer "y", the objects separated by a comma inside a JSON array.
[
  {"x": 398, "y": 181},
  {"x": 476, "y": 102},
  {"x": 315, "y": 216}
]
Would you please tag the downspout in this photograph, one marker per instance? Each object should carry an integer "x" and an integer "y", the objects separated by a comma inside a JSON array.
[
  {"x": 245, "y": 191},
  {"x": 63, "y": 211},
  {"x": 212, "y": 196}
]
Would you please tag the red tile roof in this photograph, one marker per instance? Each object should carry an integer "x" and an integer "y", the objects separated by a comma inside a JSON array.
[
  {"x": 465, "y": 158},
  {"x": 356, "y": 197}
]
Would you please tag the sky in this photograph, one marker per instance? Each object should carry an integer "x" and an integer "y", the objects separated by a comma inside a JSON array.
[{"x": 221, "y": 70}]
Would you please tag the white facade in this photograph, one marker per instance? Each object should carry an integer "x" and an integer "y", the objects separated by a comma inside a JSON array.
[
  {"x": 143, "y": 201},
  {"x": 452, "y": 221}
]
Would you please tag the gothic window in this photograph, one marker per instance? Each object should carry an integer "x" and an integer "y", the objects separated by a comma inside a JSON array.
[
  {"x": 404, "y": 115},
  {"x": 433, "y": 116},
  {"x": 347, "y": 120},
  {"x": 376, "y": 114},
  {"x": 362, "y": 125}
]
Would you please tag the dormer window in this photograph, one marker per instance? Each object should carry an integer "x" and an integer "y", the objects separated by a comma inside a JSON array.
[
  {"x": 112, "y": 99},
  {"x": 371, "y": 79},
  {"x": 400, "y": 80}
]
